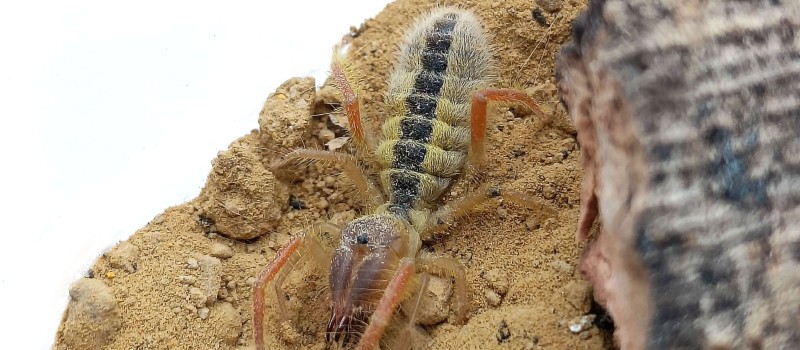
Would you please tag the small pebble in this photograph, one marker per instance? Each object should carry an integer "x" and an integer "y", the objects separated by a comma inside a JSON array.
[
  {"x": 340, "y": 207},
  {"x": 532, "y": 223},
  {"x": 502, "y": 212},
  {"x": 492, "y": 298},
  {"x": 221, "y": 250},
  {"x": 581, "y": 324},
  {"x": 498, "y": 280},
  {"x": 336, "y": 198},
  {"x": 190, "y": 280},
  {"x": 202, "y": 313},
  {"x": 336, "y": 143},
  {"x": 191, "y": 263},
  {"x": 435, "y": 305},
  {"x": 296, "y": 203},
  {"x": 562, "y": 266},
  {"x": 251, "y": 281},
  {"x": 124, "y": 256},
  {"x": 550, "y": 5},
  {"x": 205, "y": 221},
  {"x": 158, "y": 219},
  {"x": 288, "y": 334},
  {"x": 210, "y": 277},
  {"x": 539, "y": 17},
  {"x": 532, "y": 342},
  {"x": 550, "y": 224},
  {"x": 326, "y": 135},
  {"x": 548, "y": 192},
  {"x": 330, "y": 180},
  {"x": 342, "y": 218},
  {"x": 231, "y": 285},
  {"x": 503, "y": 333},
  {"x": 197, "y": 297},
  {"x": 322, "y": 204},
  {"x": 578, "y": 294}
]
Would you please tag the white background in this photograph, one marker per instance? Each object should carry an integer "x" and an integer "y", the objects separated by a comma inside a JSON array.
[{"x": 112, "y": 111}]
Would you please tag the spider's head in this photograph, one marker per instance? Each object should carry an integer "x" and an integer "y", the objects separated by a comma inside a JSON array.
[{"x": 365, "y": 261}]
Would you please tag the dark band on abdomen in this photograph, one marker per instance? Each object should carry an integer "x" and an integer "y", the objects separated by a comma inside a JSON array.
[
  {"x": 416, "y": 128},
  {"x": 405, "y": 191},
  {"x": 409, "y": 155},
  {"x": 428, "y": 83}
]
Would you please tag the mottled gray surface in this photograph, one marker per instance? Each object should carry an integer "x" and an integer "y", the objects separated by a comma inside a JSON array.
[{"x": 689, "y": 113}]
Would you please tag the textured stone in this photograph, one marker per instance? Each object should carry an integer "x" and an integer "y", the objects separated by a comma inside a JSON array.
[
  {"x": 92, "y": 316},
  {"x": 687, "y": 116}
]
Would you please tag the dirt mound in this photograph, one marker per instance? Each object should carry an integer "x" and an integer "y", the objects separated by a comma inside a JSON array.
[{"x": 189, "y": 285}]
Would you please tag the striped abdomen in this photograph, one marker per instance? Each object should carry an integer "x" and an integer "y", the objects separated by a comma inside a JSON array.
[{"x": 444, "y": 60}]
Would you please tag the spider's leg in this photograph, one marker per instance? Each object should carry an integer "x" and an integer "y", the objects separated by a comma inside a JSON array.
[
  {"x": 385, "y": 309},
  {"x": 343, "y": 75},
  {"x": 308, "y": 244},
  {"x": 480, "y": 100}
]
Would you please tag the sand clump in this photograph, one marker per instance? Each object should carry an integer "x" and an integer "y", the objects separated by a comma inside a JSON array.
[
  {"x": 192, "y": 282},
  {"x": 124, "y": 256},
  {"x": 285, "y": 120},
  {"x": 434, "y": 306},
  {"x": 92, "y": 317},
  {"x": 241, "y": 199}
]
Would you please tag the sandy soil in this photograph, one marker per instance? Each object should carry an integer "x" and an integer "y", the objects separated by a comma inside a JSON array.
[{"x": 184, "y": 280}]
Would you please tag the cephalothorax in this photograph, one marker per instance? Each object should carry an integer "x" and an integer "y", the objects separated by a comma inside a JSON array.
[{"x": 437, "y": 98}]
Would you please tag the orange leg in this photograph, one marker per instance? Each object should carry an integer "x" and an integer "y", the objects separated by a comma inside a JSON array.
[
  {"x": 352, "y": 104},
  {"x": 386, "y": 306},
  {"x": 405, "y": 339},
  {"x": 280, "y": 266},
  {"x": 480, "y": 100}
]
